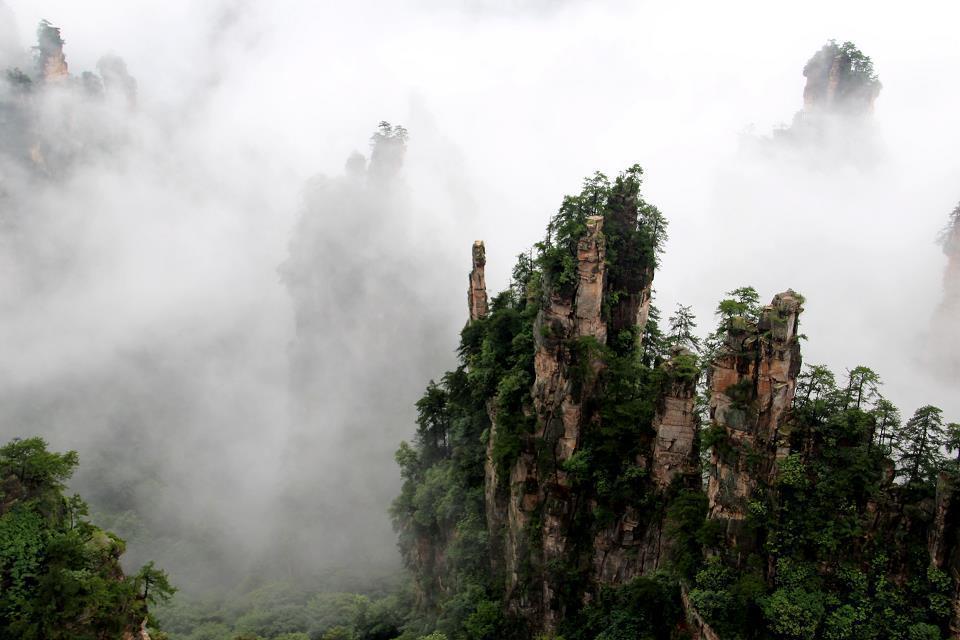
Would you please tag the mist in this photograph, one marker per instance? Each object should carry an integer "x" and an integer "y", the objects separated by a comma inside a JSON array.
[{"x": 230, "y": 316}]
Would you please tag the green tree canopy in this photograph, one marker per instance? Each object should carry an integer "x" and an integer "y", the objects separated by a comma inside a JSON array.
[
  {"x": 682, "y": 324},
  {"x": 60, "y": 577},
  {"x": 919, "y": 442}
]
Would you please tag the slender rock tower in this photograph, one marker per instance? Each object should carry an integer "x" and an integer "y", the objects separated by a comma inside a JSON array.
[
  {"x": 477, "y": 293},
  {"x": 51, "y": 62},
  {"x": 752, "y": 384}
]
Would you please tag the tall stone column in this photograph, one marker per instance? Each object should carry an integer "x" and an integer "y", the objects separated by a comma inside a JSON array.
[
  {"x": 752, "y": 384},
  {"x": 477, "y": 293}
]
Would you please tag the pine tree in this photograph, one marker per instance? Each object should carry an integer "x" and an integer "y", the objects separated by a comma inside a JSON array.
[
  {"x": 887, "y": 419},
  {"x": 953, "y": 439},
  {"x": 862, "y": 386},
  {"x": 742, "y": 301},
  {"x": 654, "y": 343},
  {"x": 682, "y": 324},
  {"x": 919, "y": 442}
]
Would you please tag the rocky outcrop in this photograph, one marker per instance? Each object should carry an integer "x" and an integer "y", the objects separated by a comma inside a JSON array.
[
  {"x": 835, "y": 124},
  {"x": 429, "y": 555},
  {"x": 594, "y": 479},
  {"x": 535, "y": 515},
  {"x": 540, "y": 501},
  {"x": 634, "y": 545},
  {"x": 494, "y": 500},
  {"x": 676, "y": 422},
  {"x": 840, "y": 79},
  {"x": 477, "y": 293},
  {"x": 51, "y": 62},
  {"x": 591, "y": 268},
  {"x": 752, "y": 383},
  {"x": 563, "y": 321}
]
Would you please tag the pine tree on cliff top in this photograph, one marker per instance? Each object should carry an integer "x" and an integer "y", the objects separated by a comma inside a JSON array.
[{"x": 919, "y": 442}]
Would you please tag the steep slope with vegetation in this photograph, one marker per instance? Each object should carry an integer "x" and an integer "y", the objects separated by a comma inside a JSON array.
[
  {"x": 585, "y": 474},
  {"x": 60, "y": 576}
]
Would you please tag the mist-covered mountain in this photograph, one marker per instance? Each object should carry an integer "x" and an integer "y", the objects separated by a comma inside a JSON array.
[{"x": 225, "y": 286}]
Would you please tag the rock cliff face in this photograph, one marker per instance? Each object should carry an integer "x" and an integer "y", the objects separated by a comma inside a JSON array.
[
  {"x": 676, "y": 426},
  {"x": 535, "y": 514},
  {"x": 540, "y": 500},
  {"x": 752, "y": 383}
]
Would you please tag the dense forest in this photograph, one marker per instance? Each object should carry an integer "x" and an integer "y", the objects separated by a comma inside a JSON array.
[{"x": 61, "y": 575}]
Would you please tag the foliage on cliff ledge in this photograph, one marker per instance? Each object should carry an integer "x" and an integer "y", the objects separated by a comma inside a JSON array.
[{"x": 843, "y": 527}]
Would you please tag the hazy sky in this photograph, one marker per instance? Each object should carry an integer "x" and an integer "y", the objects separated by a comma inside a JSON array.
[{"x": 509, "y": 105}]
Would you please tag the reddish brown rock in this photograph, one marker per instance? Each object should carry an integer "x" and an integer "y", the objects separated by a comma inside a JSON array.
[
  {"x": 477, "y": 293},
  {"x": 571, "y": 331},
  {"x": 752, "y": 383},
  {"x": 591, "y": 267},
  {"x": 568, "y": 322},
  {"x": 676, "y": 422}
]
